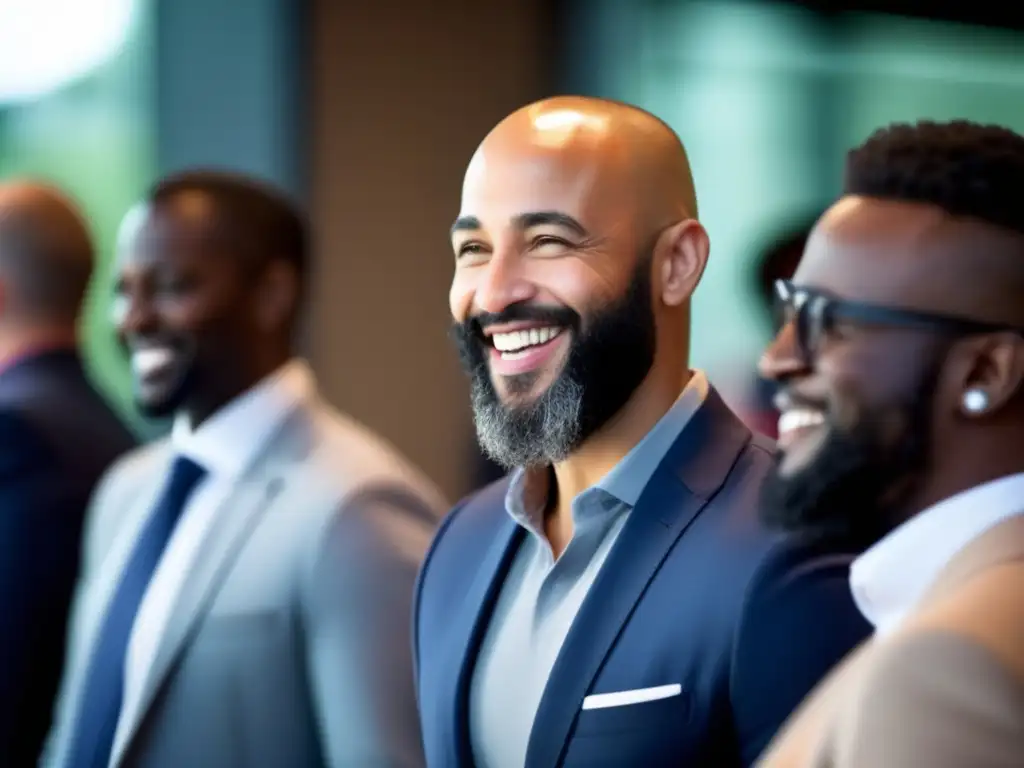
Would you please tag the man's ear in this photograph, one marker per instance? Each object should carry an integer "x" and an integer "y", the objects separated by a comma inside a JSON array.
[
  {"x": 277, "y": 295},
  {"x": 684, "y": 249},
  {"x": 991, "y": 371}
]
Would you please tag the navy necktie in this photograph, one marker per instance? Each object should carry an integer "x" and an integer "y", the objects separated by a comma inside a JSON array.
[{"x": 103, "y": 692}]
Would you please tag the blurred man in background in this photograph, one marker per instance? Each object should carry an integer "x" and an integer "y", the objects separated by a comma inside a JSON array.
[
  {"x": 902, "y": 375},
  {"x": 615, "y": 602},
  {"x": 247, "y": 585},
  {"x": 57, "y": 436}
]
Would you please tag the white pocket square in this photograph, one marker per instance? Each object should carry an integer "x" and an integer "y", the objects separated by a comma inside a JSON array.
[{"x": 636, "y": 696}]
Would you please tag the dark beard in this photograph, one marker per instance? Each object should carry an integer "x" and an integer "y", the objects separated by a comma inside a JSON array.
[
  {"x": 611, "y": 354},
  {"x": 855, "y": 489}
]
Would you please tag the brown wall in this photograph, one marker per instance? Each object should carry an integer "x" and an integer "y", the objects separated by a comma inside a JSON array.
[{"x": 402, "y": 94}]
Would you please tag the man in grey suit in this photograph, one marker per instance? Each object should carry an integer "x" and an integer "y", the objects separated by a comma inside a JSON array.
[{"x": 246, "y": 584}]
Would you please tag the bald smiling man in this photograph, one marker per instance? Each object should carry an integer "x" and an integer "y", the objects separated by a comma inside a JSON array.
[{"x": 615, "y": 601}]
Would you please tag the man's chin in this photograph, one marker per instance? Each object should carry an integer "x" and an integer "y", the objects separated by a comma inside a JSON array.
[
  {"x": 519, "y": 392},
  {"x": 789, "y": 466},
  {"x": 154, "y": 410},
  {"x": 838, "y": 497},
  {"x": 158, "y": 405}
]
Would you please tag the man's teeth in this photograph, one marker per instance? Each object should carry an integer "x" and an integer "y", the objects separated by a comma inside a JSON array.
[
  {"x": 146, "y": 361},
  {"x": 517, "y": 341},
  {"x": 800, "y": 419}
]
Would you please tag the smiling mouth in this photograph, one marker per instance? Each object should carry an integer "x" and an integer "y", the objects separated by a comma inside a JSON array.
[
  {"x": 797, "y": 422},
  {"x": 515, "y": 351},
  {"x": 148, "y": 362},
  {"x": 515, "y": 345}
]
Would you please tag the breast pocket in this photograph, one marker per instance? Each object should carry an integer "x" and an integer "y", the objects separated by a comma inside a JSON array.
[{"x": 648, "y": 733}]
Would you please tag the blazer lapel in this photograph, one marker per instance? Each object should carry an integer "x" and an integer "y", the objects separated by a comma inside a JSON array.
[
  {"x": 96, "y": 598},
  {"x": 235, "y": 520},
  {"x": 468, "y": 625},
  {"x": 694, "y": 468}
]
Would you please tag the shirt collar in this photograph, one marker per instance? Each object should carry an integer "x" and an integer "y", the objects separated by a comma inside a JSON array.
[
  {"x": 889, "y": 580},
  {"x": 527, "y": 495},
  {"x": 229, "y": 441}
]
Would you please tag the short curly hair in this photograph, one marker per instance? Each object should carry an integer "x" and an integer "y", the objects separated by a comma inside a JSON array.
[
  {"x": 966, "y": 168},
  {"x": 275, "y": 224}
]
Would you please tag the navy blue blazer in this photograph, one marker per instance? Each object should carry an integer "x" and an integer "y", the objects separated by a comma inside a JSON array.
[
  {"x": 695, "y": 592},
  {"x": 57, "y": 436}
]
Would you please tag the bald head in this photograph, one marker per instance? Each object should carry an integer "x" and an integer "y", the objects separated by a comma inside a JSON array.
[
  {"x": 626, "y": 148},
  {"x": 46, "y": 254}
]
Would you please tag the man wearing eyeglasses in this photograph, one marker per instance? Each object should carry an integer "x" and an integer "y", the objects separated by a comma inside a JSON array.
[{"x": 901, "y": 367}]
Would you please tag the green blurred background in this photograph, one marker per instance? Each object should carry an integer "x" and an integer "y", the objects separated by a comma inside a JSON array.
[{"x": 767, "y": 96}]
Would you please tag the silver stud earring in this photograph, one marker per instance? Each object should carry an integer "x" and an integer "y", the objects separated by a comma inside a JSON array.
[{"x": 975, "y": 401}]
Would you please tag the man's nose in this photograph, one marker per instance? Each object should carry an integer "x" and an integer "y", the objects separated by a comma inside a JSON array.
[
  {"x": 137, "y": 316},
  {"x": 783, "y": 358},
  {"x": 504, "y": 284}
]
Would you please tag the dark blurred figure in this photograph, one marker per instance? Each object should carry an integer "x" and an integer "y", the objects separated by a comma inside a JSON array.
[
  {"x": 57, "y": 436},
  {"x": 777, "y": 262}
]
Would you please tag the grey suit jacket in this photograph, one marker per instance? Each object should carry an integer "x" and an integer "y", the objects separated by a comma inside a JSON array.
[{"x": 289, "y": 645}]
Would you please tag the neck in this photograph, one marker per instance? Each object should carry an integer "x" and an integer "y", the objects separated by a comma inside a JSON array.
[
  {"x": 23, "y": 341},
  {"x": 220, "y": 395},
  {"x": 607, "y": 447},
  {"x": 993, "y": 455}
]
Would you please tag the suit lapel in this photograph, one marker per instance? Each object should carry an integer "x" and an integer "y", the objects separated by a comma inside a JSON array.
[
  {"x": 96, "y": 598},
  {"x": 694, "y": 468},
  {"x": 468, "y": 625},
  {"x": 234, "y": 522}
]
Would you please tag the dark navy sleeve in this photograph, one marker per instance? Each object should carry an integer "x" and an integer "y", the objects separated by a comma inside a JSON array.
[
  {"x": 798, "y": 621},
  {"x": 39, "y": 546}
]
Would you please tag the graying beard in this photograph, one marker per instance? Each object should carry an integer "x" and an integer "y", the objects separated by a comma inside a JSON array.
[{"x": 543, "y": 434}]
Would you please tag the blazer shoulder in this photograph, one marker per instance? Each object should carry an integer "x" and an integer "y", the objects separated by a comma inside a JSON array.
[
  {"x": 461, "y": 534},
  {"x": 479, "y": 508},
  {"x": 127, "y": 475},
  {"x": 138, "y": 464},
  {"x": 470, "y": 522},
  {"x": 755, "y": 461},
  {"x": 347, "y": 459},
  {"x": 115, "y": 493},
  {"x": 985, "y": 610},
  {"x": 931, "y": 697}
]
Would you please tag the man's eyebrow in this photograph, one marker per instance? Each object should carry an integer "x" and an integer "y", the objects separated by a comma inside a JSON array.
[
  {"x": 464, "y": 223},
  {"x": 556, "y": 218}
]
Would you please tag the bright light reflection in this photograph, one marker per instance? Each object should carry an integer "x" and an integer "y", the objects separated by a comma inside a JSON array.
[{"x": 45, "y": 44}]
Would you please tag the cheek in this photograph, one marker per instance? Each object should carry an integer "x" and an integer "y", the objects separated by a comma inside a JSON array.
[
  {"x": 871, "y": 383},
  {"x": 845, "y": 387},
  {"x": 575, "y": 282},
  {"x": 185, "y": 317},
  {"x": 460, "y": 295},
  {"x": 119, "y": 306},
  {"x": 206, "y": 319}
]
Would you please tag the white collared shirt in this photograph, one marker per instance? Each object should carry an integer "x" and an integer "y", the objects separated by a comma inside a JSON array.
[
  {"x": 890, "y": 579},
  {"x": 225, "y": 445}
]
